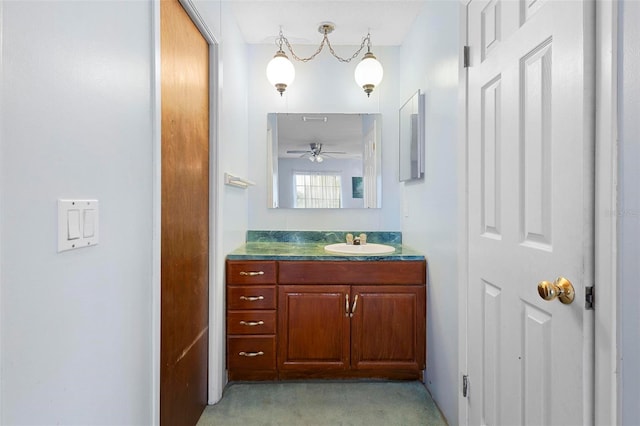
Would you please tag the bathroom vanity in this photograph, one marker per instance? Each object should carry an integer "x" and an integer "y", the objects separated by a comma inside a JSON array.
[{"x": 295, "y": 311}]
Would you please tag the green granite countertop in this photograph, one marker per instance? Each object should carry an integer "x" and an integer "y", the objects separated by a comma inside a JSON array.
[{"x": 309, "y": 245}]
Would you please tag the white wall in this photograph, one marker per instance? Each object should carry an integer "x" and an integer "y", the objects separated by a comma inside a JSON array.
[
  {"x": 322, "y": 85},
  {"x": 231, "y": 156},
  {"x": 429, "y": 62},
  {"x": 629, "y": 213},
  {"x": 76, "y": 122},
  {"x": 233, "y": 113}
]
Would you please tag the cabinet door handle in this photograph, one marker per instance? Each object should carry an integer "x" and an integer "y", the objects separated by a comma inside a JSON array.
[
  {"x": 251, "y": 298},
  {"x": 346, "y": 305},
  {"x": 251, "y": 273},
  {"x": 251, "y": 354},
  {"x": 355, "y": 303},
  {"x": 251, "y": 323}
]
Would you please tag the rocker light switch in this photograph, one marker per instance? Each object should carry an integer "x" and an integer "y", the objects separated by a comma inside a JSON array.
[
  {"x": 89, "y": 220},
  {"x": 73, "y": 224},
  {"x": 77, "y": 224}
]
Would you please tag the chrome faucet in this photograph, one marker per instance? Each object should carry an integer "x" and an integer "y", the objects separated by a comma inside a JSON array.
[{"x": 357, "y": 240}]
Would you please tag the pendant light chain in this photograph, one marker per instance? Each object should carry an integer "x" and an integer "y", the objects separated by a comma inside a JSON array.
[
  {"x": 365, "y": 41},
  {"x": 281, "y": 72}
]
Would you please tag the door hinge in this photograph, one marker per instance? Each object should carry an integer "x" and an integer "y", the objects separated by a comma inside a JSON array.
[
  {"x": 465, "y": 385},
  {"x": 466, "y": 56},
  {"x": 589, "y": 295}
]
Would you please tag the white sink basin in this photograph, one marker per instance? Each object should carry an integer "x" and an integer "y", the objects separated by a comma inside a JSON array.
[{"x": 367, "y": 249}]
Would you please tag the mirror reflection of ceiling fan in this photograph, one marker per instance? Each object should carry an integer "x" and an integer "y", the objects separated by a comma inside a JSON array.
[{"x": 315, "y": 153}]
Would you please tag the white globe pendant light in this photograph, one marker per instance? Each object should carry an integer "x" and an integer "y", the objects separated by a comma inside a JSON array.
[
  {"x": 280, "y": 71},
  {"x": 368, "y": 73}
]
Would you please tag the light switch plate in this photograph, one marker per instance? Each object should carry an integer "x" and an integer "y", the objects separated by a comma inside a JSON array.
[{"x": 81, "y": 214}]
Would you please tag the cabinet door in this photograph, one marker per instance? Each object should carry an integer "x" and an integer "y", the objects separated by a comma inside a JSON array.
[
  {"x": 313, "y": 327},
  {"x": 388, "y": 327}
]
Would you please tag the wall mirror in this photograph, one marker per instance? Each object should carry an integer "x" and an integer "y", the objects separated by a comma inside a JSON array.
[
  {"x": 412, "y": 138},
  {"x": 324, "y": 160}
]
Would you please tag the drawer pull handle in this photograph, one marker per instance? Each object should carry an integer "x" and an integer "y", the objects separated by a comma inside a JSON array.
[
  {"x": 251, "y": 273},
  {"x": 251, "y": 323},
  {"x": 251, "y": 354},
  {"x": 251, "y": 298}
]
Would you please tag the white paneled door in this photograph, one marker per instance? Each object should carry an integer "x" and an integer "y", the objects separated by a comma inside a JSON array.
[{"x": 530, "y": 200}]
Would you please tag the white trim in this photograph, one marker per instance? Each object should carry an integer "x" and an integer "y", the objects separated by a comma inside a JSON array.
[
  {"x": 217, "y": 334},
  {"x": 463, "y": 217},
  {"x": 156, "y": 284},
  {"x": 199, "y": 22},
  {"x": 606, "y": 173},
  {"x": 2, "y": 26}
]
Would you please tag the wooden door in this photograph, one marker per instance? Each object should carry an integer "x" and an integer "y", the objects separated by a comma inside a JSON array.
[
  {"x": 530, "y": 198},
  {"x": 313, "y": 327},
  {"x": 388, "y": 328},
  {"x": 185, "y": 217}
]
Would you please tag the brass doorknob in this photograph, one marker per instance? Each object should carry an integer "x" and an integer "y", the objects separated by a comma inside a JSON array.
[{"x": 560, "y": 288}]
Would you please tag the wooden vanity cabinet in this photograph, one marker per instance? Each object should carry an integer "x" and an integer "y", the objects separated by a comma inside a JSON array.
[
  {"x": 251, "y": 320},
  {"x": 375, "y": 330},
  {"x": 356, "y": 319}
]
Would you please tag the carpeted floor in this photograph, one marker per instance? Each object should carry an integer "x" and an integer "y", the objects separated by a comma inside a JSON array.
[{"x": 324, "y": 403}]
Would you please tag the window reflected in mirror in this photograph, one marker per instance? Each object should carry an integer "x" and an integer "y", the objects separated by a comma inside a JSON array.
[{"x": 317, "y": 190}]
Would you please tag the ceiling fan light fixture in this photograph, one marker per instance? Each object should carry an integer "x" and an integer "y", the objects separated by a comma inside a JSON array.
[
  {"x": 315, "y": 153},
  {"x": 280, "y": 70}
]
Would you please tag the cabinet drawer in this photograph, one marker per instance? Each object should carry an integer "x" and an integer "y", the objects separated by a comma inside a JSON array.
[
  {"x": 251, "y": 322},
  {"x": 251, "y": 353},
  {"x": 251, "y": 297},
  {"x": 251, "y": 272},
  {"x": 365, "y": 272}
]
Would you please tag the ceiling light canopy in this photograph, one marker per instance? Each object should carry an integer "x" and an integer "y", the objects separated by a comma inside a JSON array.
[{"x": 281, "y": 73}]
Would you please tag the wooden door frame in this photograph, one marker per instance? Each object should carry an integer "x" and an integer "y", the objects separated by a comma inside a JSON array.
[
  {"x": 606, "y": 410},
  {"x": 216, "y": 373}
]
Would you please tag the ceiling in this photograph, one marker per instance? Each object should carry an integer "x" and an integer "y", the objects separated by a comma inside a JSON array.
[
  {"x": 336, "y": 132},
  {"x": 387, "y": 20}
]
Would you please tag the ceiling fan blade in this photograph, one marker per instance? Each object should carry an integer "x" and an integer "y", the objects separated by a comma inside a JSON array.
[
  {"x": 298, "y": 152},
  {"x": 333, "y": 152}
]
